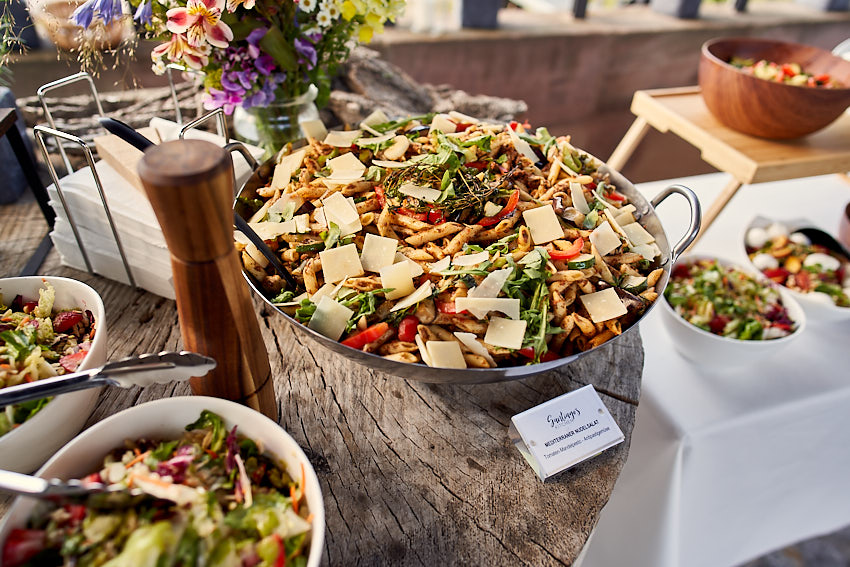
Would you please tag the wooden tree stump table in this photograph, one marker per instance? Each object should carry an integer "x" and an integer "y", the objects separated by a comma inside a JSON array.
[{"x": 411, "y": 473}]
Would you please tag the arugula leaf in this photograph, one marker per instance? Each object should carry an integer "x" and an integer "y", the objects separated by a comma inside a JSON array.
[
  {"x": 481, "y": 270},
  {"x": 396, "y": 124},
  {"x": 213, "y": 422},
  {"x": 480, "y": 142},
  {"x": 502, "y": 245},
  {"x": 19, "y": 344},
  {"x": 305, "y": 312},
  {"x": 283, "y": 297},
  {"x": 331, "y": 235},
  {"x": 366, "y": 303}
]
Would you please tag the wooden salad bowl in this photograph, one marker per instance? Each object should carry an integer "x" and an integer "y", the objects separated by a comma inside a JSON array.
[{"x": 771, "y": 109}]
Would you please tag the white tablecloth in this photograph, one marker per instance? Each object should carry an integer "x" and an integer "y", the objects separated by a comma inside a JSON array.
[{"x": 726, "y": 466}]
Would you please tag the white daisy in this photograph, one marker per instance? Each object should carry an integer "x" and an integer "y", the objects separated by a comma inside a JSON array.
[
  {"x": 323, "y": 19},
  {"x": 307, "y": 5}
]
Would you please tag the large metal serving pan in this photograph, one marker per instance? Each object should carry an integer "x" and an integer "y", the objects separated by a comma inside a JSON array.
[{"x": 420, "y": 372}]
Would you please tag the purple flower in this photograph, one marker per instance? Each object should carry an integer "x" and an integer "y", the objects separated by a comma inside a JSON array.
[
  {"x": 265, "y": 64},
  {"x": 253, "y": 40},
  {"x": 84, "y": 14},
  {"x": 144, "y": 13},
  {"x": 307, "y": 52},
  {"x": 108, "y": 10},
  {"x": 227, "y": 100}
]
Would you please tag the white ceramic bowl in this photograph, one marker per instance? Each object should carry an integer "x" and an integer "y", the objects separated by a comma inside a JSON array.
[
  {"x": 714, "y": 351},
  {"x": 167, "y": 418},
  {"x": 818, "y": 307},
  {"x": 26, "y": 447}
]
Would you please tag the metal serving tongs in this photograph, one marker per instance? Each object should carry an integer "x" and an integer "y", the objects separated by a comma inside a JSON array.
[
  {"x": 138, "y": 141},
  {"x": 56, "y": 489},
  {"x": 141, "y": 370}
]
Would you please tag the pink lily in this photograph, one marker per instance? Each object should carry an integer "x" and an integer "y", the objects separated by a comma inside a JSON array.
[
  {"x": 233, "y": 4},
  {"x": 179, "y": 49},
  {"x": 200, "y": 20}
]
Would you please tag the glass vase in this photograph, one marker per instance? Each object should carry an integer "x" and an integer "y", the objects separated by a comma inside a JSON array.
[{"x": 273, "y": 126}]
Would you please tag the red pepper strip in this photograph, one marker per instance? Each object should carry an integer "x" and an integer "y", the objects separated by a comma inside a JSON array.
[
  {"x": 447, "y": 307},
  {"x": 407, "y": 329},
  {"x": 506, "y": 210},
  {"x": 462, "y": 127},
  {"x": 412, "y": 214},
  {"x": 570, "y": 252},
  {"x": 435, "y": 217},
  {"x": 615, "y": 196},
  {"x": 22, "y": 545},
  {"x": 513, "y": 125},
  {"x": 479, "y": 165},
  {"x": 367, "y": 336},
  {"x": 528, "y": 352},
  {"x": 824, "y": 79},
  {"x": 281, "y": 551},
  {"x": 380, "y": 195}
]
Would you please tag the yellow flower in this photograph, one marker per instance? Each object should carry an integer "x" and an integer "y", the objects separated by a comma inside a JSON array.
[
  {"x": 349, "y": 10},
  {"x": 365, "y": 34}
]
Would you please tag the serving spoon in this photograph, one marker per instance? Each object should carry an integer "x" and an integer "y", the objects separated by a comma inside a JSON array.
[
  {"x": 141, "y": 370},
  {"x": 140, "y": 142}
]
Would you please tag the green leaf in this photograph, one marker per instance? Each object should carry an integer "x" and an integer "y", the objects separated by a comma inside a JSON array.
[
  {"x": 331, "y": 236},
  {"x": 275, "y": 44},
  {"x": 214, "y": 423},
  {"x": 19, "y": 344},
  {"x": 164, "y": 450}
]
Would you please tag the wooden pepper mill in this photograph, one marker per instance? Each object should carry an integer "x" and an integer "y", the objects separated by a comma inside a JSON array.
[{"x": 190, "y": 185}]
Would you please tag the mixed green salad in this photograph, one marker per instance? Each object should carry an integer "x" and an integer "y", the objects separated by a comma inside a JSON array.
[
  {"x": 38, "y": 342},
  {"x": 212, "y": 498},
  {"x": 728, "y": 302}
]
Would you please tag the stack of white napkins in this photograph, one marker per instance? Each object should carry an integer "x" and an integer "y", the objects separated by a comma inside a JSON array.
[{"x": 134, "y": 219}]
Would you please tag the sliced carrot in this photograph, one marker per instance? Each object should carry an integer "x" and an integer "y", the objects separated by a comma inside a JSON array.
[
  {"x": 293, "y": 498},
  {"x": 138, "y": 459}
]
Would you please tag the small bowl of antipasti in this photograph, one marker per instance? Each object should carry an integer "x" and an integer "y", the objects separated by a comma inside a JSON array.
[
  {"x": 721, "y": 314},
  {"x": 806, "y": 261}
]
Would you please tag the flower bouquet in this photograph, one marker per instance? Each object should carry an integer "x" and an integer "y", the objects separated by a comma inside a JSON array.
[{"x": 255, "y": 54}]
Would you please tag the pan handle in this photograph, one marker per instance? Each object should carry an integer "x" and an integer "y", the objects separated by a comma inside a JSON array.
[
  {"x": 243, "y": 150},
  {"x": 693, "y": 224}
]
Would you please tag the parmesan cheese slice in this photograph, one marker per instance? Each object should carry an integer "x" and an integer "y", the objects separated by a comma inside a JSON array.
[
  {"x": 256, "y": 255},
  {"x": 286, "y": 167},
  {"x": 443, "y": 123},
  {"x": 415, "y": 269},
  {"x": 617, "y": 228},
  {"x": 422, "y": 292},
  {"x": 339, "y": 139},
  {"x": 648, "y": 251},
  {"x": 445, "y": 354},
  {"x": 470, "y": 341},
  {"x": 314, "y": 129},
  {"x": 330, "y": 318},
  {"x": 603, "y": 305},
  {"x": 492, "y": 285},
  {"x": 625, "y": 214},
  {"x": 378, "y": 116},
  {"x": 337, "y": 205},
  {"x": 471, "y": 259},
  {"x": 462, "y": 118},
  {"x": 389, "y": 164},
  {"x": 440, "y": 265},
  {"x": 340, "y": 263},
  {"x": 637, "y": 234},
  {"x": 378, "y": 252},
  {"x": 397, "y": 277},
  {"x": 375, "y": 140},
  {"x": 505, "y": 332},
  {"x": 286, "y": 205},
  {"x": 332, "y": 215},
  {"x": 423, "y": 350},
  {"x": 426, "y": 194},
  {"x": 543, "y": 223},
  {"x": 346, "y": 166},
  {"x": 604, "y": 238},
  {"x": 271, "y": 230},
  {"x": 480, "y": 306},
  {"x": 579, "y": 200},
  {"x": 522, "y": 146}
]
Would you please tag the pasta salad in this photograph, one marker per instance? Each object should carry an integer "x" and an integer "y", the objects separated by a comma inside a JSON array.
[{"x": 448, "y": 241}]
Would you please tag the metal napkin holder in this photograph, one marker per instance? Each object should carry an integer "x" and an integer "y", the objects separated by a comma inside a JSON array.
[{"x": 41, "y": 131}]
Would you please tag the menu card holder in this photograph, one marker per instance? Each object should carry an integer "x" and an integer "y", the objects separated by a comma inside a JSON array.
[{"x": 190, "y": 186}]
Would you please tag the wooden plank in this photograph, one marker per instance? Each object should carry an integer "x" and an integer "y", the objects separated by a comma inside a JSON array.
[
  {"x": 750, "y": 159},
  {"x": 411, "y": 473}
]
